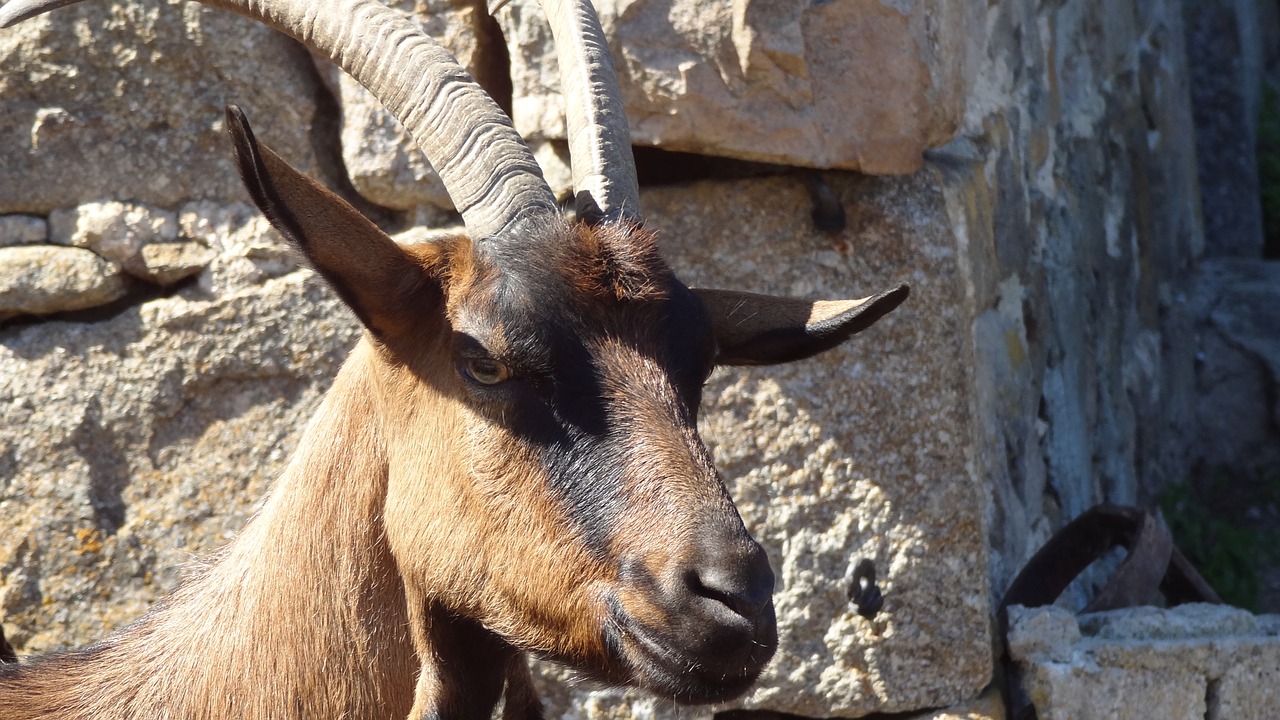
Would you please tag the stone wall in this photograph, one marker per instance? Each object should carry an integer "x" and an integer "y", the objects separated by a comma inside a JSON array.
[
  {"x": 1047, "y": 221},
  {"x": 1192, "y": 662},
  {"x": 1077, "y": 212}
]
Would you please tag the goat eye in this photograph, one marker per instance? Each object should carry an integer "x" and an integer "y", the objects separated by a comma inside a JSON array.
[{"x": 486, "y": 371}]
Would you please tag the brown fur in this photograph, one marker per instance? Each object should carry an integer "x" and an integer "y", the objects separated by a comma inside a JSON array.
[{"x": 618, "y": 261}]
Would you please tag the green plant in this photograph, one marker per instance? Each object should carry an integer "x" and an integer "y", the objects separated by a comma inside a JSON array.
[{"x": 1207, "y": 524}]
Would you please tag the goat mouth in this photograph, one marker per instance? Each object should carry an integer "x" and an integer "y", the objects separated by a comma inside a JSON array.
[{"x": 662, "y": 667}]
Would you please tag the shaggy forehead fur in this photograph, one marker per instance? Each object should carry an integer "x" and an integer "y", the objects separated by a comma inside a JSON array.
[{"x": 618, "y": 262}]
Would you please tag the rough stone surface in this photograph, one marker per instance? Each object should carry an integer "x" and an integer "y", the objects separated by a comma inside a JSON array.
[
  {"x": 112, "y": 482},
  {"x": 1189, "y": 662},
  {"x": 23, "y": 230},
  {"x": 1078, "y": 260},
  {"x": 115, "y": 231},
  {"x": 1225, "y": 57},
  {"x": 1238, "y": 376},
  {"x": 247, "y": 249},
  {"x": 43, "y": 279},
  {"x": 384, "y": 165},
  {"x": 1050, "y": 634},
  {"x": 862, "y": 84},
  {"x": 167, "y": 263},
  {"x": 125, "y": 101},
  {"x": 987, "y": 706},
  {"x": 1181, "y": 623}
]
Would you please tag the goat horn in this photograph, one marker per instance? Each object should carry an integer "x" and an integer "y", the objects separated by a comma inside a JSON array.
[
  {"x": 604, "y": 171},
  {"x": 485, "y": 165}
]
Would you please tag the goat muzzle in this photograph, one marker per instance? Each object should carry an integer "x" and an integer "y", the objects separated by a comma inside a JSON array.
[{"x": 703, "y": 629}]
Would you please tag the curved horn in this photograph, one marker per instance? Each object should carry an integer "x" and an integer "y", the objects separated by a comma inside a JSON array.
[
  {"x": 487, "y": 169},
  {"x": 604, "y": 171}
]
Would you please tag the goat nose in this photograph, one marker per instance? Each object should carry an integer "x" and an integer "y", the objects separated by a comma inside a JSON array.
[
  {"x": 717, "y": 629},
  {"x": 736, "y": 575}
]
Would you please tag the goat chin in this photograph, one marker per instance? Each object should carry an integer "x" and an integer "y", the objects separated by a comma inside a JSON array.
[{"x": 717, "y": 662}]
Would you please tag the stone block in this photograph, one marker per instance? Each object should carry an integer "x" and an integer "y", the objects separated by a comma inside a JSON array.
[
  {"x": 111, "y": 483},
  {"x": 44, "y": 279},
  {"x": 1179, "y": 623},
  {"x": 23, "y": 230},
  {"x": 246, "y": 249},
  {"x": 116, "y": 231},
  {"x": 987, "y": 706},
  {"x": 125, "y": 100},
  {"x": 860, "y": 85},
  {"x": 1065, "y": 692},
  {"x": 168, "y": 263},
  {"x": 1193, "y": 661},
  {"x": 1239, "y": 364},
  {"x": 1049, "y": 633},
  {"x": 1249, "y": 688}
]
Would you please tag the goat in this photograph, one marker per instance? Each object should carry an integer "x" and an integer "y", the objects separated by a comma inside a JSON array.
[{"x": 508, "y": 463}]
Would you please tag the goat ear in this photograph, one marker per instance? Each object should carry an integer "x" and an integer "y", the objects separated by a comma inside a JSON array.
[
  {"x": 755, "y": 329},
  {"x": 383, "y": 284}
]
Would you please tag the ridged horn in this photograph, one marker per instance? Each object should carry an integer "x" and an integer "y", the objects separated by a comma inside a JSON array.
[
  {"x": 484, "y": 164},
  {"x": 604, "y": 171}
]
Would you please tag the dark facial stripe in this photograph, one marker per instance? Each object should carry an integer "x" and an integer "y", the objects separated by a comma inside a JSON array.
[{"x": 549, "y": 321}]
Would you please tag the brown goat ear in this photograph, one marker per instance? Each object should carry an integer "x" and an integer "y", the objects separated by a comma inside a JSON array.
[
  {"x": 375, "y": 277},
  {"x": 755, "y": 329}
]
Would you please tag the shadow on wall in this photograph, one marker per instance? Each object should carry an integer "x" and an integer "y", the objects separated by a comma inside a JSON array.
[{"x": 1227, "y": 512}]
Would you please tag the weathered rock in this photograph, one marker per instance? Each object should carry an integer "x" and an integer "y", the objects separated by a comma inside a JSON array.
[
  {"x": 23, "y": 230},
  {"x": 43, "y": 279},
  {"x": 1189, "y": 662},
  {"x": 167, "y": 263},
  {"x": 857, "y": 85},
  {"x": 1225, "y": 57},
  {"x": 110, "y": 483},
  {"x": 1049, "y": 635},
  {"x": 553, "y": 159},
  {"x": 987, "y": 706},
  {"x": 115, "y": 231},
  {"x": 1078, "y": 257},
  {"x": 384, "y": 164},
  {"x": 1184, "y": 622},
  {"x": 1238, "y": 376},
  {"x": 123, "y": 100},
  {"x": 247, "y": 249}
]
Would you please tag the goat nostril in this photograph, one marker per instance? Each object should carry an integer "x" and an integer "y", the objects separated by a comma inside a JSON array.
[{"x": 741, "y": 582}]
